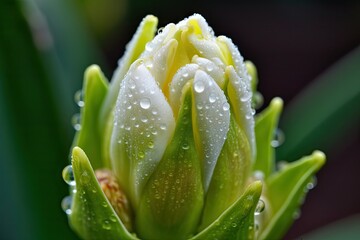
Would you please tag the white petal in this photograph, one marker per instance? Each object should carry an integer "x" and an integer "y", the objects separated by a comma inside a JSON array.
[
  {"x": 240, "y": 98},
  {"x": 144, "y": 32},
  {"x": 181, "y": 77},
  {"x": 211, "y": 121},
  {"x": 143, "y": 126},
  {"x": 238, "y": 60},
  {"x": 160, "y": 63},
  {"x": 211, "y": 68}
]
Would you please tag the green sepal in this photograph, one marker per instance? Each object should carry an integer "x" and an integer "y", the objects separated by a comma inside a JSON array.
[
  {"x": 230, "y": 174},
  {"x": 171, "y": 205},
  {"x": 92, "y": 215},
  {"x": 237, "y": 222},
  {"x": 285, "y": 191},
  {"x": 253, "y": 73},
  {"x": 265, "y": 126},
  {"x": 89, "y": 137}
]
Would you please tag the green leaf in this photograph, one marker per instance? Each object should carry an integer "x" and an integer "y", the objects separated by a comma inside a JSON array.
[
  {"x": 237, "y": 222},
  {"x": 330, "y": 102},
  {"x": 89, "y": 137},
  {"x": 285, "y": 191},
  {"x": 33, "y": 140},
  {"x": 265, "y": 127},
  {"x": 172, "y": 202},
  {"x": 92, "y": 216}
]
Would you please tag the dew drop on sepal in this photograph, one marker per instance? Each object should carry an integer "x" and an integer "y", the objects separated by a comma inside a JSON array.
[
  {"x": 68, "y": 175},
  {"x": 259, "y": 207},
  {"x": 75, "y": 121},
  {"x": 79, "y": 98},
  {"x": 279, "y": 138},
  {"x": 66, "y": 204}
]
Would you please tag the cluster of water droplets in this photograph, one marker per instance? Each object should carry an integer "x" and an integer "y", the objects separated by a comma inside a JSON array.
[
  {"x": 76, "y": 118},
  {"x": 68, "y": 176}
]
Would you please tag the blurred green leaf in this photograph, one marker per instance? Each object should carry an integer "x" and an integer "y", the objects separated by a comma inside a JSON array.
[
  {"x": 319, "y": 116},
  {"x": 31, "y": 133},
  {"x": 347, "y": 228}
]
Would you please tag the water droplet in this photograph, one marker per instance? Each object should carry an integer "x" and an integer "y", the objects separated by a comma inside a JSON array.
[
  {"x": 160, "y": 30},
  {"x": 141, "y": 154},
  {"x": 312, "y": 183},
  {"x": 212, "y": 97},
  {"x": 145, "y": 103},
  {"x": 85, "y": 178},
  {"x": 106, "y": 225},
  {"x": 226, "y": 106},
  {"x": 257, "y": 100},
  {"x": 259, "y": 207},
  {"x": 148, "y": 47},
  {"x": 209, "y": 68},
  {"x": 259, "y": 175},
  {"x": 79, "y": 98},
  {"x": 246, "y": 97},
  {"x": 234, "y": 225},
  {"x": 151, "y": 144},
  {"x": 163, "y": 126},
  {"x": 185, "y": 146},
  {"x": 296, "y": 214},
  {"x": 113, "y": 218},
  {"x": 68, "y": 175},
  {"x": 66, "y": 204},
  {"x": 279, "y": 138},
  {"x": 75, "y": 121},
  {"x": 199, "y": 86}
]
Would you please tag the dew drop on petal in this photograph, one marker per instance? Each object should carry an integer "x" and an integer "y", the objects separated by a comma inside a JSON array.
[
  {"x": 259, "y": 207},
  {"x": 145, "y": 103},
  {"x": 68, "y": 175},
  {"x": 66, "y": 204},
  {"x": 212, "y": 97},
  {"x": 226, "y": 106},
  {"x": 199, "y": 86}
]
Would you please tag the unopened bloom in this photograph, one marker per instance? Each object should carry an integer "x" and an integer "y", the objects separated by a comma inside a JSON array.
[{"x": 184, "y": 155}]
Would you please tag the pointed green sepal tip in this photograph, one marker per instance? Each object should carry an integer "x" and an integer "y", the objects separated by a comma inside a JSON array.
[
  {"x": 88, "y": 137},
  {"x": 92, "y": 216},
  {"x": 286, "y": 190},
  {"x": 253, "y": 73},
  {"x": 265, "y": 128},
  {"x": 237, "y": 222}
]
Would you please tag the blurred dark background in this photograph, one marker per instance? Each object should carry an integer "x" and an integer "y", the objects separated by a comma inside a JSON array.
[{"x": 296, "y": 46}]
